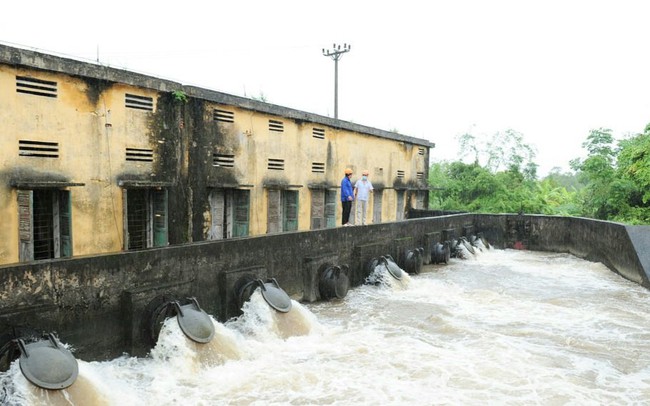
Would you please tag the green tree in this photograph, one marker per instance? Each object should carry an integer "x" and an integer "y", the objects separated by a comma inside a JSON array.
[
  {"x": 597, "y": 174},
  {"x": 500, "y": 179},
  {"x": 503, "y": 150},
  {"x": 633, "y": 179}
]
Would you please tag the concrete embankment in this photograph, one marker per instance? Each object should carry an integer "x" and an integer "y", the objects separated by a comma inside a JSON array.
[{"x": 102, "y": 305}]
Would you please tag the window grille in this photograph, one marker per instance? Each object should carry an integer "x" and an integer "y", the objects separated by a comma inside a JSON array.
[
  {"x": 45, "y": 229},
  {"x": 43, "y": 224},
  {"x": 136, "y": 200}
]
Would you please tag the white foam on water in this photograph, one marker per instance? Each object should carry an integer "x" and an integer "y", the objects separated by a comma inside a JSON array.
[
  {"x": 382, "y": 278},
  {"x": 512, "y": 327}
]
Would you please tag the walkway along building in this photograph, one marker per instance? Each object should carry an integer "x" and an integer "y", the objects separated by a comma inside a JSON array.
[{"x": 98, "y": 160}]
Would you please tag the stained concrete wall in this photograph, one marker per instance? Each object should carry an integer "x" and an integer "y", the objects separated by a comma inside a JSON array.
[
  {"x": 623, "y": 249},
  {"x": 101, "y": 304},
  {"x": 71, "y": 126}
]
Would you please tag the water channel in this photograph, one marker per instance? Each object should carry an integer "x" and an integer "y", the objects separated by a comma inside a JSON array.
[{"x": 507, "y": 327}]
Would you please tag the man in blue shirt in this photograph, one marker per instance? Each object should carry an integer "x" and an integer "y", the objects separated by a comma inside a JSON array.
[{"x": 347, "y": 196}]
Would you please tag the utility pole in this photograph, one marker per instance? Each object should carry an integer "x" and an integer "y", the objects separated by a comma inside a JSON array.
[{"x": 336, "y": 53}]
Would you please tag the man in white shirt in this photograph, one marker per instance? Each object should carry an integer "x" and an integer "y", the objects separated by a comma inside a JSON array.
[{"x": 362, "y": 190}]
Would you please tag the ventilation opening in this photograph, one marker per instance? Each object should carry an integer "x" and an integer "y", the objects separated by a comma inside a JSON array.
[
  {"x": 133, "y": 101},
  {"x": 38, "y": 149},
  {"x": 139, "y": 154},
  {"x": 318, "y": 167},
  {"x": 420, "y": 175},
  {"x": 223, "y": 116},
  {"x": 420, "y": 151},
  {"x": 318, "y": 133},
  {"x": 276, "y": 126},
  {"x": 36, "y": 87},
  {"x": 223, "y": 160},
  {"x": 400, "y": 174},
  {"x": 276, "y": 164}
]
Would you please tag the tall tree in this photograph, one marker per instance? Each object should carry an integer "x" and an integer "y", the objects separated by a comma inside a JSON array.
[{"x": 597, "y": 173}]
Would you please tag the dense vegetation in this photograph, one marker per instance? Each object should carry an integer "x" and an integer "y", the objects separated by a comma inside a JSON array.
[{"x": 611, "y": 183}]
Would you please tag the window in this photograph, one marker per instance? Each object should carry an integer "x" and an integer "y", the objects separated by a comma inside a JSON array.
[
  {"x": 45, "y": 224},
  {"x": 420, "y": 175},
  {"x": 323, "y": 209},
  {"x": 282, "y": 210},
  {"x": 145, "y": 218},
  {"x": 420, "y": 151},
  {"x": 229, "y": 210},
  {"x": 400, "y": 174}
]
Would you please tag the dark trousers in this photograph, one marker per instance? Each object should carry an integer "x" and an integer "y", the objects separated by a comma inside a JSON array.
[{"x": 347, "y": 207}]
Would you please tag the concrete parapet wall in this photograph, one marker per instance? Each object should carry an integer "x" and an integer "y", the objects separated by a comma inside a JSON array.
[
  {"x": 99, "y": 304},
  {"x": 623, "y": 249}
]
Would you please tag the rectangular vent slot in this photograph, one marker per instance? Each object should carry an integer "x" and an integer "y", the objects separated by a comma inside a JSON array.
[
  {"x": 223, "y": 160},
  {"x": 400, "y": 174},
  {"x": 36, "y": 87},
  {"x": 318, "y": 167},
  {"x": 420, "y": 175},
  {"x": 420, "y": 151},
  {"x": 133, "y": 101},
  {"x": 276, "y": 164},
  {"x": 38, "y": 149},
  {"x": 139, "y": 154},
  {"x": 319, "y": 133},
  {"x": 224, "y": 116},
  {"x": 277, "y": 126}
]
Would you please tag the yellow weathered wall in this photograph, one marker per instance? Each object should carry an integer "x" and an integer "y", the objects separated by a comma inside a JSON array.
[
  {"x": 89, "y": 120},
  {"x": 296, "y": 145},
  {"x": 89, "y": 152}
]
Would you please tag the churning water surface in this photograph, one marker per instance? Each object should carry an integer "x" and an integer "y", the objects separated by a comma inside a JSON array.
[{"x": 505, "y": 328}]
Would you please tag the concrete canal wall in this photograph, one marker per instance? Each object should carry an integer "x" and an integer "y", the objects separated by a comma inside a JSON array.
[{"x": 101, "y": 305}]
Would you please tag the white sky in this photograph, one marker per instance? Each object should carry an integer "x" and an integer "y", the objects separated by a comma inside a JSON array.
[{"x": 550, "y": 69}]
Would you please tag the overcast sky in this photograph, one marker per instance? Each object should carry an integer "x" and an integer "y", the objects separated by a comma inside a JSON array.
[{"x": 550, "y": 69}]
